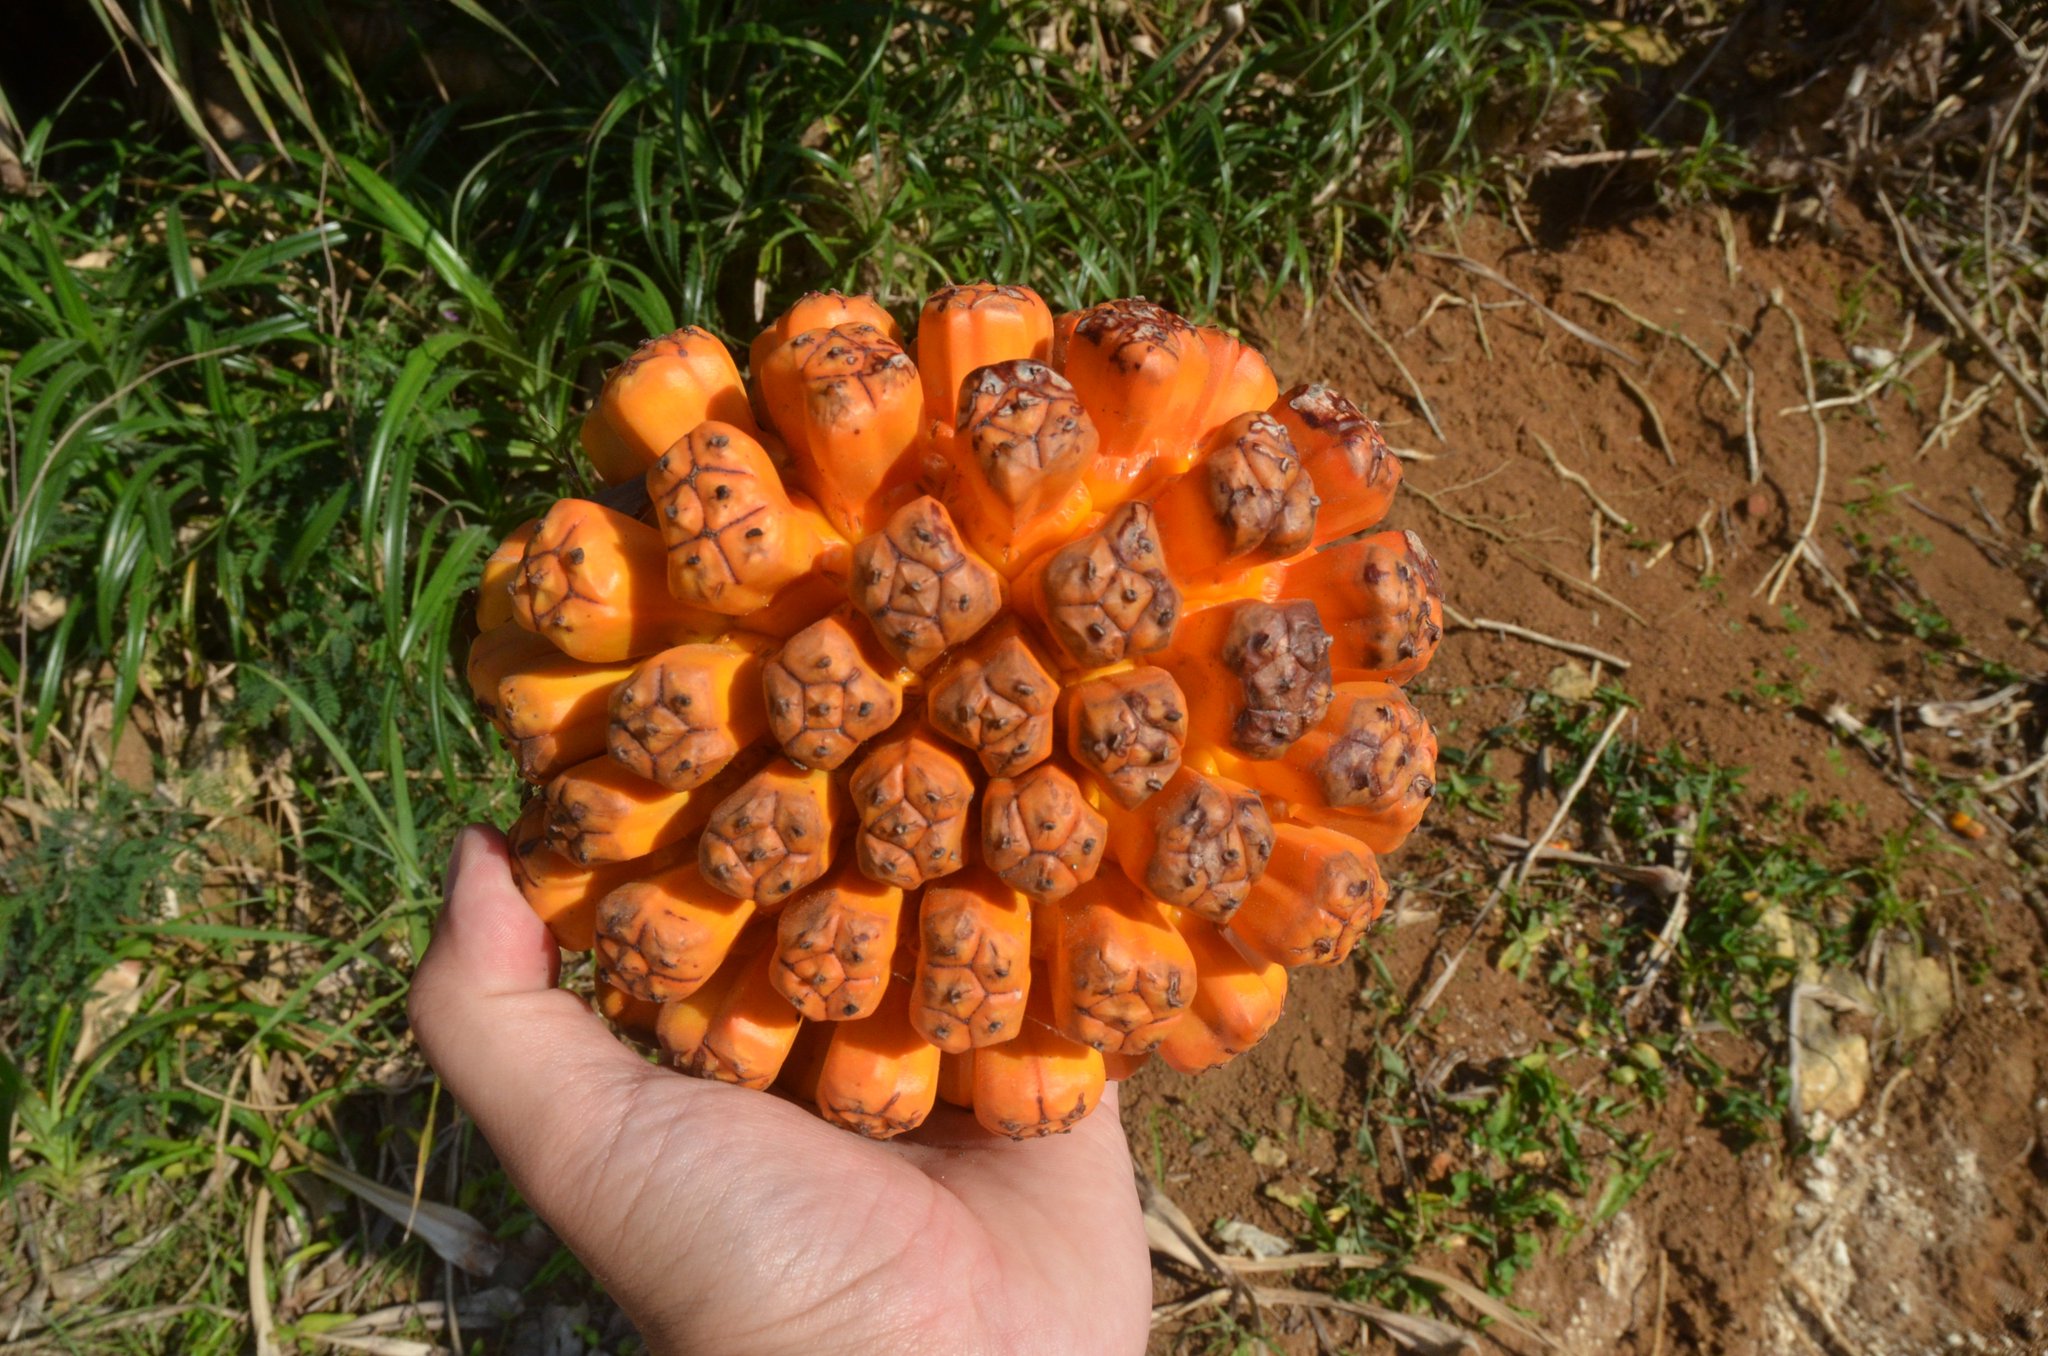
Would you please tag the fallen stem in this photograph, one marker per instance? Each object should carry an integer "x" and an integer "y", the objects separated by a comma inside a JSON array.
[
  {"x": 1414, "y": 387},
  {"x": 1650, "y": 408},
  {"x": 1776, "y": 579},
  {"x": 1577, "y": 331},
  {"x": 1534, "y": 637}
]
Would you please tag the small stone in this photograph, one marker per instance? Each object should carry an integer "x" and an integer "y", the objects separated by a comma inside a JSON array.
[
  {"x": 1267, "y": 1153},
  {"x": 1249, "y": 1240}
]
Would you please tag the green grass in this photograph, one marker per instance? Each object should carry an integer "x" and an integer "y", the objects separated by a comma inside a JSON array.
[{"x": 261, "y": 430}]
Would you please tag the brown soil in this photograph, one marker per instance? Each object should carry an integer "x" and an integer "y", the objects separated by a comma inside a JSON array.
[{"x": 1927, "y": 1216}]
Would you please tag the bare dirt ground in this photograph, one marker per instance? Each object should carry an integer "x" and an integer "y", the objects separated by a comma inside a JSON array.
[{"x": 1922, "y": 1223}]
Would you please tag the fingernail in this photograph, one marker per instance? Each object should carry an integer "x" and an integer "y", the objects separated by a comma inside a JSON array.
[{"x": 467, "y": 844}]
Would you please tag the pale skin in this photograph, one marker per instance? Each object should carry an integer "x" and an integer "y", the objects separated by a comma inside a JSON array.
[{"x": 730, "y": 1221}]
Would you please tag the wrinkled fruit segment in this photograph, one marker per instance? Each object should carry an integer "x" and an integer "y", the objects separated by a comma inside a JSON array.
[{"x": 964, "y": 715}]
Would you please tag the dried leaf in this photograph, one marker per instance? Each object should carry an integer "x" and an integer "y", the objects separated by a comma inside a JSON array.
[{"x": 454, "y": 1235}]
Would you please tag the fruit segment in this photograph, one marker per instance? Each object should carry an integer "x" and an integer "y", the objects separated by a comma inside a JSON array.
[
  {"x": 1246, "y": 498},
  {"x": 970, "y": 326},
  {"x": 734, "y": 536},
  {"x": 1240, "y": 382},
  {"x": 682, "y": 715},
  {"x": 973, "y": 964},
  {"x": 1106, "y": 596},
  {"x": 912, "y": 795},
  {"x": 598, "y": 811},
  {"x": 660, "y": 937},
  {"x": 594, "y": 582},
  {"x": 848, "y": 403},
  {"x": 880, "y": 1076},
  {"x": 1257, "y": 674},
  {"x": 829, "y": 690},
  {"x": 1016, "y": 453},
  {"x": 667, "y": 387},
  {"x": 1382, "y": 599},
  {"x": 1369, "y": 767},
  {"x": 501, "y": 567},
  {"x": 1198, "y": 844},
  {"x": 1236, "y": 1000},
  {"x": 1128, "y": 729},
  {"x": 1116, "y": 1068},
  {"x": 1346, "y": 458},
  {"x": 681, "y": 1024},
  {"x": 750, "y": 1033},
  {"x": 833, "y": 946},
  {"x": 1039, "y": 1084},
  {"x": 919, "y": 588},
  {"x": 495, "y": 655},
  {"x": 1320, "y": 893},
  {"x": 635, "y": 1018},
  {"x": 956, "y": 1080},
  {"x": 555, "y": 712},
  {"x": 773, "y": 835},
  {"x": 1119, "y": 974},
  {"x": 562, "y": 893},
  {"x": 819, "y": 311},
  {"x": 996, "y": 700},
  {"x": 1143, "y": 373},
  {"x": 1040, "y": 834}
]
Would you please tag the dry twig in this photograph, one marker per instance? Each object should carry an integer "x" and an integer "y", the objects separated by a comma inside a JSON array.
[
  {"x": 1668, "y": 332},
  {"x": 1650, "y": 408},
  {"x": 1938, "y": 291},
  {"x": 1415, "y": 387},
  {"x": 1577, "y": 331},
  {"x": 1514, "y": 875},
  {"x": 1803, "y": 544},
  {"x": 1571, "y": 477},
  {"x": 1584, "y": 651}
]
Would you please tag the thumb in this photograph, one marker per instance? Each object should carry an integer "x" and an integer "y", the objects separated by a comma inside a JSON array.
[{"x": 525, "y": 1059}]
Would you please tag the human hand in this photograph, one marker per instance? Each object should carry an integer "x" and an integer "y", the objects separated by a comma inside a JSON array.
[{"x": 726, "y": 1221}]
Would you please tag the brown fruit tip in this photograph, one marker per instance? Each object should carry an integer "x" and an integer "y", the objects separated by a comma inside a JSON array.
[
  {"x": 825, "y": 697},
  {"x": 912, "y": 798},
  {"x": 922, "y": 591},
  {"x": 1129, "y": 729},
  {"x": 1107, "y": 595},
  {"x": 998, "y": 701},
  {"x": 1026, "y": 431},
  {"x": 1211, "y": 841},
  {"x": 1280, "y": 656},
  {"x": 768, "y": 839},
  {"x": 833, "y": 948},
  {"x": 1261, "y": 497},
  {"x": 973, "y": 968},
  {"x": 666, "y": 718},
  {"x": 1040, "y": 834},
  {"x": 1384, "y": 753}
]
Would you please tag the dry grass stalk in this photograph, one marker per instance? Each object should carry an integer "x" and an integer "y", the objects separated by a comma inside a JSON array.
[
  {"x": 1802, "y": 546},
  {"x": 1514, "y": 876},
  {"x": 1574, "y": 329},
  {"x": 1415, "y": 387},
  {"x": 1584, "y": 651},
  {"x": 1571, "y": 477},
  {"x": 1720, "y": 372},
  {"x": 1656, "y": 417}
]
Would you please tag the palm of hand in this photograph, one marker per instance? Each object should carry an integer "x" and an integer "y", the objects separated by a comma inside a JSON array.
[{"x": 726, "y": 1221}]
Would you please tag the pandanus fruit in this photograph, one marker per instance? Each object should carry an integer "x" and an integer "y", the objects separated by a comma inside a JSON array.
[{"x": 965, "y": 719}]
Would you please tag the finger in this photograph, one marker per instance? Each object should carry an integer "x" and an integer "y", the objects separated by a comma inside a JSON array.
[{"x": 524, "y": 1058}]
